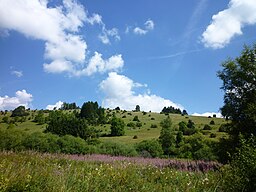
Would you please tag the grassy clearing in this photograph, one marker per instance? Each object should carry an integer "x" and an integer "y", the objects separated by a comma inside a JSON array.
[{"x": 31, "y": 171}]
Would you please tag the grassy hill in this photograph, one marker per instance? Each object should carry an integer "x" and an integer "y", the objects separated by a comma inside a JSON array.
[{"x": 147, "y": 128}]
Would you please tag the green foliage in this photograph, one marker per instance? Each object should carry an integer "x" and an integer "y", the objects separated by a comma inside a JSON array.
[
  {"x": 68, "y": 124},
  {"x": 5, "y": 119},
  {"x": 11, "y": 139},
  {"x": 184, "y": 112},
  {"x": 171, "y": 109},
  {"x": 131, "y": 124},
  {"x": 137, "y": 108},
  {"x": 138, "y": 124},
  {"x": 179, "y": 138},
  {"x": 240, "y": 175},
  {"x": 39, "y": 118},
  {"x": 19, "y": 112},
  {"x": 117, "y": 127},
  {"x": 166, "y": 137},
  {"x": 153, "y": 126},
  {"x": 207, "y": 127},
  {"x": 224, "y": 128},
  {"x": 93, "y": 113},
  {"x": 136, "y": 118},
  {"x": 187, "y": 128},
  {"x": 196, "y": 147},
  {"x": 190, "y": 124},
  {"x": 239, "y": 86},
  {"x": 18, "y": 140},
  {"x": 212, "y": 122},
  {"x": 117, "y": 149},
  {"x": 150, "y": 148},
  {"x": 68, "y": 106}
]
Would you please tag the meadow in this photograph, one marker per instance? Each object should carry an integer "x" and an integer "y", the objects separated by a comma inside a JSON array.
[
  {"x": 32, "y": 171},
  {"x": 67, "y": 163}
]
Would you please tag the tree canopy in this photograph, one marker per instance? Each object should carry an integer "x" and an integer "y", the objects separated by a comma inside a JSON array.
[
  {"x": 239, "y": 86},
  {"x": 171, "y": 109},
  {"x": 19, "y": 112},
  {"x": 93, "y": 113}
]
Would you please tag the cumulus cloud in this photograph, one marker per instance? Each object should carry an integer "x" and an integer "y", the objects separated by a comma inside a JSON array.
[
  {"x": 98, "y": 64},
  {"x": 58, "y": 26},
  {"x": 21, "y": 98},
  {"x": 119, "y": 91},
  {"x": 57, "y": 105},
  {"x": 207, "y": 114},
  {"x": 17, "y": 73},
  {"x": 229, "y": 23},
  {"x": 148, "y": 26}
]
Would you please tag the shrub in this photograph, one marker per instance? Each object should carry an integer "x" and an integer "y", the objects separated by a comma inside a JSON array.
[
  {"x": 117, "y": 149},
  {"x": 5, "y": 119},
  {"x": 117, "y": 127},
  {"x": 212, "y": 122},
  {"x": 136, "y": 118},
  {"x": 138, "y": 124},
  {"x": 135, "y": 137},
  {"x": 131, "y": 124},
  {"x": 207, "y": 127},
  {"x": 153, "y": 126},
  {"x": 242, "y": 168},
  {"x": 224, "y": 128},
  {"x": 152, "y": 148}
]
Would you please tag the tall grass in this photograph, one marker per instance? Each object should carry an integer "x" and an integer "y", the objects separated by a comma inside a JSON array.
[{"x": 30, "y": 171}]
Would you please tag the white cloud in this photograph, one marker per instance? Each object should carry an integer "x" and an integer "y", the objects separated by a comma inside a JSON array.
[
  {"x": 207, "y": 114},
  {"x": 99, "y": 65},
  {"x": 17, "y": 73},
  {"x": 118, "y": 90},
  {"x": 106, "y": 34},
  {"x": 55, "y": 106},
  {"x": 229, "y": 23},
  {"x": 21, "y": 98},
  {"x": 59, "y": 27},
  {"x": 139, "y": 31},
  {"x": 148, "y": 25}
]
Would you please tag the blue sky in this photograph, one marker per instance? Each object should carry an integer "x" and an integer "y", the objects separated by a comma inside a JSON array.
[{"x": 120, "y": 53}]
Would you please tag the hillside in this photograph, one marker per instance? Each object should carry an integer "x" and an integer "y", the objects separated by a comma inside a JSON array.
[{"x": 148, "y": 128}]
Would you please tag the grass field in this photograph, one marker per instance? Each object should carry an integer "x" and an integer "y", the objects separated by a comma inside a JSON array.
[{"x": 29, "y": 171}]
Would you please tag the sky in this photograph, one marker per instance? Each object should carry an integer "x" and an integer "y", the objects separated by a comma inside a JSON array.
[{"x": 120, "y": 53}]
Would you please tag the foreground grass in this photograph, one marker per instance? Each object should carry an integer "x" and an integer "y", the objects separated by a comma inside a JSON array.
[{"x": 29, "y": 171}]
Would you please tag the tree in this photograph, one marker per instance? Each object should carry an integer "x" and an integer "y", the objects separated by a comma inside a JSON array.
[
  {"x": 191, "y": 124},
  {"x": 239, "y": 85},
  {"x": 68, "y": 124},
  {"x": 184, "y": 112},
  {"x": 166, "y": 137},
  {"x": 179, "y": 138},
  {"x": 93, "y": 113},
  {"x": 137, "y": 108},
  {"x": 67, "y": 106},
  {"x": 151, "y": 148},
  {"x": 171, "y": 109},
  {"x": 19, "y": 112},
  {"x": 39, "y": 118},
  {"x": 117, "y": 127}
]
